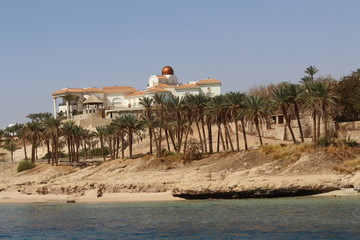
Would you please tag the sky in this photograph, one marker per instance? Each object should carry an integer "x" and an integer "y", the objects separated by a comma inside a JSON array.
[{"x": 49, "y": 45}]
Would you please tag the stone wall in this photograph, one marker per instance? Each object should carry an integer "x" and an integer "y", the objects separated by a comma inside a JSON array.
[
  {"x": 349, "y": 131},
  {"x": 91, "y": 121}
]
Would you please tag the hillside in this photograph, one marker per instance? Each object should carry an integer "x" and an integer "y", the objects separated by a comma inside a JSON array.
[{"x": 268, "y": 172}]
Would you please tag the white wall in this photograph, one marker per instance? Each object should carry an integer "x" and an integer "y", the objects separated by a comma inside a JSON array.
[{"x": 215, "y": 89}]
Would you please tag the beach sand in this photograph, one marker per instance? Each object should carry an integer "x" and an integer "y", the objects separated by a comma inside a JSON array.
[{"x": 90, "y": 197}]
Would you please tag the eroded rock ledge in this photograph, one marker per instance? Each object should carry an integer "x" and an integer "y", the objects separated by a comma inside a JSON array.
[{"x": 254, "y": 194}]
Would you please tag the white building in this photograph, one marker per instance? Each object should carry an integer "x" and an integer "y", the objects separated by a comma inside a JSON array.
[{"x": 110, "y": 101}]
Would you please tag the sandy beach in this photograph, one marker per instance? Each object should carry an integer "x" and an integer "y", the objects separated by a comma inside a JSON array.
[{"x": 16, "y": 197}]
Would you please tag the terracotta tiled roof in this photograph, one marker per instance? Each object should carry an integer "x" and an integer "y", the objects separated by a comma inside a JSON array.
[
  {"x": 68, "y": 90},
  {"x": 119, "y": 89},
  {"x": 92, "y": 90},
  {"x": 162, "y": 85},
  {"x": 185, "y": 86},
  {"x": 208, "y": 81},
  {"x": 156, "y": 90},
  {"x": 135, "y": 94}
]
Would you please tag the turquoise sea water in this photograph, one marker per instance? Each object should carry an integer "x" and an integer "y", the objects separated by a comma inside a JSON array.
[{"x": 282, "y": 218}]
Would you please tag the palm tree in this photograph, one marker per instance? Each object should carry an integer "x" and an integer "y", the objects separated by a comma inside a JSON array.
[
  {"x": 280, "y": 98},
  {"x": 321, "y": 98},
  {"x": 311, "y": 71},
  {"x": 215, "y": 108},
  {"x": 256, "y": 110},
  {"x": 176, "y": 106},
  {"x": 198, "y": 103},
  {"x": 132, "y": 126},
  {"x": 234, "y": 101},
  {"x": 67, "y": 130},
  {"x": 68, "y": 98},
  {"x": 10, "y": 146},
  {"x": 101, "y": 133},
  {"x": 159, "y": 101},
  {"x": 295, "y": 96},
  {"x": 32, "y": 132},
  {"x": 189, "y": 115},
  {"x": 53, "y": 130},
  {"x": 148, "y": 103}
]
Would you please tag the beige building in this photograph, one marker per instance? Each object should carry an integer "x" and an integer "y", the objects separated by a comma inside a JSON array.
[{"x": 110, "y": 101}]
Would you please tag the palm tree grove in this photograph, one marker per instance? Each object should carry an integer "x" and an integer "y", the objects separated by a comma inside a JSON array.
[{"x": 195, "y": 126}]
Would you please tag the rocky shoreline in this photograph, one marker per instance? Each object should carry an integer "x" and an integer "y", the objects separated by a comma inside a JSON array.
[{"x": 221, "y": 176}]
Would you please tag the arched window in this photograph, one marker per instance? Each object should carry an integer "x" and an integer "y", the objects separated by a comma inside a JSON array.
[{"x": 117, "y": 102}]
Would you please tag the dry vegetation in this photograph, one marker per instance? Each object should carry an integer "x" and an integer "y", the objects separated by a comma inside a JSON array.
[{"x": 287, "y": 151}]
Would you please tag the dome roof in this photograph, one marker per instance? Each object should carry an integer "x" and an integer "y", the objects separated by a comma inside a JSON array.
[{"x": 167, "y": 70}]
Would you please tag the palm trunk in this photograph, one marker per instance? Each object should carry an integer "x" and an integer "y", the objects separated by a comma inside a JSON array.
[
  {"x": 48, "y": 150},
  {"x": 56, "y": 149},
  {"x": 151, "y": 137},
  {"x": 200, "y": 137},
  {"x": 229, "y": 136},
  {"x": 173, "y": 141},
  {"x": 237, "y": 135},
  {"x": 69, "y": 149},
  {"x": 288, "y": 123},
  {"x": 24, "y": 145},
  {"x": 314, "y": 125},
  {"x": 102, "y": 147},
  {"x": 244, "y": 134},
  {"x": 318, "y": 125},
  {"x": 221, "y": 137},
  {"x": 204, "y": 135},
  {"x": 325, "y": 120},
  {"x": 117, "y": 147},
  {"x": 33, "y": 154},
  {"x": 52, "y": 153},
  {"x": 167, "y": 139},
  {"x": 218, "y": 141},
  {"x": 122, "y": 147},
  {"x": 186, "y": 136},
  {"x": 258, "y": 130},
  {"x": 178, "y": 133},
  {"x": 130, "y": 142},
  {"x": 299, "y": 122},
  {"x": 210, "y": 138}
]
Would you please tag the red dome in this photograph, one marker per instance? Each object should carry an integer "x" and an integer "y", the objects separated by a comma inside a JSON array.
[{"x": 167, "y": 70}]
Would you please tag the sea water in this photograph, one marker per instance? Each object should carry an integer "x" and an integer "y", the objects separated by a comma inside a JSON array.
[{"x": 281, "y": 218}]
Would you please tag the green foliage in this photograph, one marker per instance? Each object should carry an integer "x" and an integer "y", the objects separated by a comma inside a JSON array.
[
  {"x": 348, "y": 143},
  {"x": 49, "y": 154},
  {"x": 351, "y": 144},
  {"x": 25, "y": 165},
  {"x": 327, "y": 140},
  {"x": 96, "y": 152},
  {"x": 324, "y": 141},
  {"x": 348, "y": 89}
]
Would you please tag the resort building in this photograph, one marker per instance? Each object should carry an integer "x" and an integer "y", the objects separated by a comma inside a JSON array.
[{"x": 108, "y": 102}]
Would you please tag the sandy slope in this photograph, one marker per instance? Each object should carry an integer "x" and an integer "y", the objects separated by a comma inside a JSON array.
[{"x": 223, "y": 172}]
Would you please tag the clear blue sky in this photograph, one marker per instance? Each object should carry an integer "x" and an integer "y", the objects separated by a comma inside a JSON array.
[{"x": 49, "y": 45}]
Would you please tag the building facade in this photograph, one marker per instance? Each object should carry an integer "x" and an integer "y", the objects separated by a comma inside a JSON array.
[{"x": 108, "y": 102}]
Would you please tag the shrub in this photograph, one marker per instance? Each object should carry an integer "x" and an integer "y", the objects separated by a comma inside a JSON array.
[
  {"x": 327, "y": 140},
  {"x": 351, "y": 143},
  {"x": 25, "y": 165},
  {"x": 192, "y": 151},
  {"x": 324, "y": 141}
]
